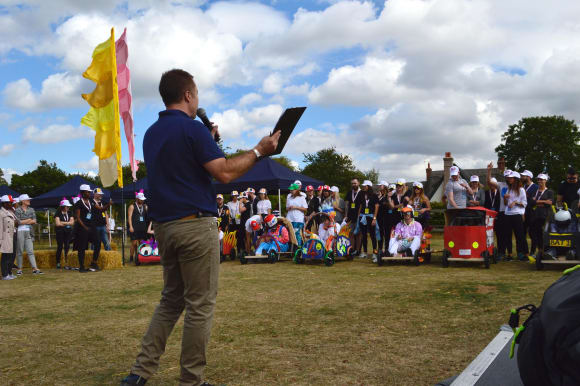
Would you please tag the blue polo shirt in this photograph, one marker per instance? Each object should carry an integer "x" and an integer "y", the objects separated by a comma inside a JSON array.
[{"x": 175, "y": 149}]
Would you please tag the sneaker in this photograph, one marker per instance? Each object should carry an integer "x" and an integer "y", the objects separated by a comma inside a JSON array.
[
  {"x": 94, "y": 267},
  {"x": 375, "y": 258},
  {"x": 37, "y": 272},
  {"x": 363, "y": 255},
  {"x": 12, "y": 276},
  {"x": 67, "y": 268},
  {"x": 134, "y": 379},
  {"x": 508, "y": 258},
  {"x": 19, "y": 272},
  {"x": 7, "y": 277}
]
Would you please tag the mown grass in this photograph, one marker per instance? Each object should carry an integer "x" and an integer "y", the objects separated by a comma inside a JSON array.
[{"x": 283, "y": 324}]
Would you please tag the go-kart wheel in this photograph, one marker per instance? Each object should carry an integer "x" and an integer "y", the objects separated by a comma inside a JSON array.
[
  {"x": 486, "y": 259},
  {"x": 243, "y": 259},
  {"x": 298, "y": 257},
  {"x": 444, "y": 259},
  {"x": 494, "y": 256},
  {"x": 539, "y": 264},
  {"x": 328, "y": 259},
  {"x": 272, "y": 257},
  {"x": 137, "y": 262},
  {"x": 416, "y": 257}
]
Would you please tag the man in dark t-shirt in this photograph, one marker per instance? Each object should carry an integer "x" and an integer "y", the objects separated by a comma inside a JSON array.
[
  {"x": 182, "y": 156},
  {"x": 568, "y": 189}
]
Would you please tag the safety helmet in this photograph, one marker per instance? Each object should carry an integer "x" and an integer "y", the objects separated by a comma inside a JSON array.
[
  {"x": 255, "y": 225},
  {"x": 309, "y": 188},
  {"x": 562, "y": 218},
  {"x": 326, "y": 187},
  {"x": 407, "y": 209},
  {"x": 320, "y": 188},
  {"x": 271, "y": 220},
  {"x": 262, "y": 191}
]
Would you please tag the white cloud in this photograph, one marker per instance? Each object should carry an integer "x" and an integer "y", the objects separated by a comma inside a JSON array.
[
  {"x": 55, "y": 133},
  {"x": 90, "y": 165},
  {"x": 58, "y": 91},
  {"x": 8, "y": 174},
  {"x": 6, "y": 149},
  {"x": 250, "y": 99},
  {"x": 272, "y": 84},
  {"x": 302, "y": 89},
  {"x": 258, "y": 121}
]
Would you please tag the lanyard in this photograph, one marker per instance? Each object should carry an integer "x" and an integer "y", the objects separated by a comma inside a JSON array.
[
  {"x": 528, "y": 188},
  {"x": 493, "y": 198},
  {"x": 539, "y": 194},
  {"x": 220, "y": 211},
  {"x": 140, "y": 210},
  {"x": 354, "y": 196},
  {"x": 88, "y": 207},
  {"x": 367, "y": 203},
  {"x": 65, "y": 215}
]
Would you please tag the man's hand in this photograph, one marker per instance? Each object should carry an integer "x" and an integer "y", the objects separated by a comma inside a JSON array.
[
  {"x": 490, "y": 166},
  {"x": 214, "y": 131},
  {"x": 268, "y": 144}
]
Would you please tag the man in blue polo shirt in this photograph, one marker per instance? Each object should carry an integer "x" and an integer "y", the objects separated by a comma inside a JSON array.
[{"x": 182, "y": 156}]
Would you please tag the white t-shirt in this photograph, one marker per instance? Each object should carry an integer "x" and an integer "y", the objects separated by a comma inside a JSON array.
[
  {"x": 263, "y": 206},
  {"x": 324, "y": 234},
  {"x": 234, "y": 211},
  {"x": 255, "y": 218},
  {"x": 295, "y": 215},
  {"x": 521, "y": 197}
]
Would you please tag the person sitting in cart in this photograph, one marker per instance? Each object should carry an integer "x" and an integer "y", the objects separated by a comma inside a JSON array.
[
  {"x": 561, "y": 223},
  {"x": 276, "y": 237},
  {"x": 407, "y": 234},
  {"x": 329, "y": 228}
]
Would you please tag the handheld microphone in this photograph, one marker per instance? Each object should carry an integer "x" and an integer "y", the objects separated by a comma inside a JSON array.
[{"x": 203, "y": 116}]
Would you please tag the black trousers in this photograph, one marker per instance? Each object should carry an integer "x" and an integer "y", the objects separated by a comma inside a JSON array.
[
  {"x": 384, "y": 231},
  {"x": 7, "y": 260},
  {"x": 365, "y": 229},
  {"x": 63, "y": 238},
  {"x": 504, "y": 234},
  {"x": 240, "y": 236},
  {"x": 528, "y": 229},
  {"x": 516, "y": 225},
  {"x": 537, "y": 234},
  {"x": 84, "y": 236}
]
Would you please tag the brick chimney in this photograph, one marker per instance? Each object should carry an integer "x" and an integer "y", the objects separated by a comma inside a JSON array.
[
  {"x": 447, "y": 163},
  {"x": 428, "y": 171},
  {"x": 501, "y": 164}
]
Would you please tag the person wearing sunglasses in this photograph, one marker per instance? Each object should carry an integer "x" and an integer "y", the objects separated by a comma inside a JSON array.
[
  {"x": 477, "y": 198},
  {"x": 421, "y": 204},
  {"x": 567, "y": 191}
]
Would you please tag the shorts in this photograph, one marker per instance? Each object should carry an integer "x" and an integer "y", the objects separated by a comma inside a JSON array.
[{"x": 138, "y": 235}]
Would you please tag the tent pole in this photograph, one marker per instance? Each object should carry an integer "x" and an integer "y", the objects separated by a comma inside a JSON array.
[
  {"x": 123, "y": 226},
  {"x": 279, "y": 203},
  {"x": 110, "y": 231},
  {"x": 48, "y": 223}
]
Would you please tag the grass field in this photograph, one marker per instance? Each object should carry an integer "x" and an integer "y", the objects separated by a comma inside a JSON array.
[{"x": 350, "y": 324}]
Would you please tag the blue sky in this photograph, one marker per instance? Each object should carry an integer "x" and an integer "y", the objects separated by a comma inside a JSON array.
[{"x": 393, "y": 84}]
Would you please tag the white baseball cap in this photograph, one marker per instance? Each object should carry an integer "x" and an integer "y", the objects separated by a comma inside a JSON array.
[
  {"x": 23, "y": 197},
  {"x": 6, "y": 198},
  {"x": 334, "y": 189},
  {"x": 85, "y": 188},
  {"x": 76, "y": 199},
  {"x": 65, "y": 202},
  {"x": 493, "y": 180},
  {"x": 367, "y": 183},
  {"x": 140, "y": 196},
  {"x": 453, "y": 171},
  {"x": 98, "y": 191},
  {"x": 392, "y": 186},
  {"x": 542, "y": 176},
  {"x": 474, "y": 179},
  {"x": 515, "y": 175},
  {"x": 401, "y": 181},
  {"x": 527, "y": 173},
  {"x": 417, "y": 184},
  {"x": 507, "y": 172},
  {"x": 15, "y": 200},
  {"x": 297, "y": 182},
  {"x": 219, "y": 196},
  {"x": 384, "y": 183},
  {"x": 235, "y": 193},
  {"x": 263, "y": 191}
]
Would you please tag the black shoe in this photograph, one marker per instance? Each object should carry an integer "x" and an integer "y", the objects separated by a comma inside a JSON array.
[
  {"x": 83, "y": 270},
  {"x": 133, "y": 379},
  {"x": 94, "y": 267},
  {"x": 508, "y": 258}
]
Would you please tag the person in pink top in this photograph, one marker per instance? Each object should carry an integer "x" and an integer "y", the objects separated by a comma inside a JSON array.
[
  {"x": 276, "y": 237},
  {"x": 407, "y": 234}
]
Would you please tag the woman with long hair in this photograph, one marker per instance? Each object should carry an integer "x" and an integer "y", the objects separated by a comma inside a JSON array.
[
  {"x": 421, "y": 204},
  {"x": 540, "y": 203},
  {"x": 515, "y": 202},
  {"x": 264, "y": 204},
  {"x": 383, "y": 217}
]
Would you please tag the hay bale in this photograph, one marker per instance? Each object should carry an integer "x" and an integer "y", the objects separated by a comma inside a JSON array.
[
  {"x": 114, "y": 246},
  {"x": 47, "y": 259}
]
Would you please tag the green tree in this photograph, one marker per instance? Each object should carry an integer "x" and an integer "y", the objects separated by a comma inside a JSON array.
[
  {"x": 2, "y": 180},
  {"x": 44, "y": 178},
  {"x": 284, "y": 161},
  {"x": 331, "y": 167},
  {"x": 541, "y": 144}
]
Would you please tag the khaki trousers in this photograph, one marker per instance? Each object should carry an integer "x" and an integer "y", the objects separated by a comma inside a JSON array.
[{"x": 189, "y": 251}]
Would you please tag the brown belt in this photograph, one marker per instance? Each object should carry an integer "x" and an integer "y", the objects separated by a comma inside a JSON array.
[{"x": 190, "y": 217}]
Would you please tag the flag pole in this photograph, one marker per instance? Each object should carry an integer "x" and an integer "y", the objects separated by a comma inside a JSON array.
[{"x": 123, "y": 227}]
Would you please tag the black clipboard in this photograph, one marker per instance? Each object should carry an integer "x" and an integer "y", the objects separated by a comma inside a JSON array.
[{"x": 286, "y": 123}]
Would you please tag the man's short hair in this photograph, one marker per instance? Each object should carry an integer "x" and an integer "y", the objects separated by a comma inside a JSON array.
[{"x": 173, "y": 84}]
